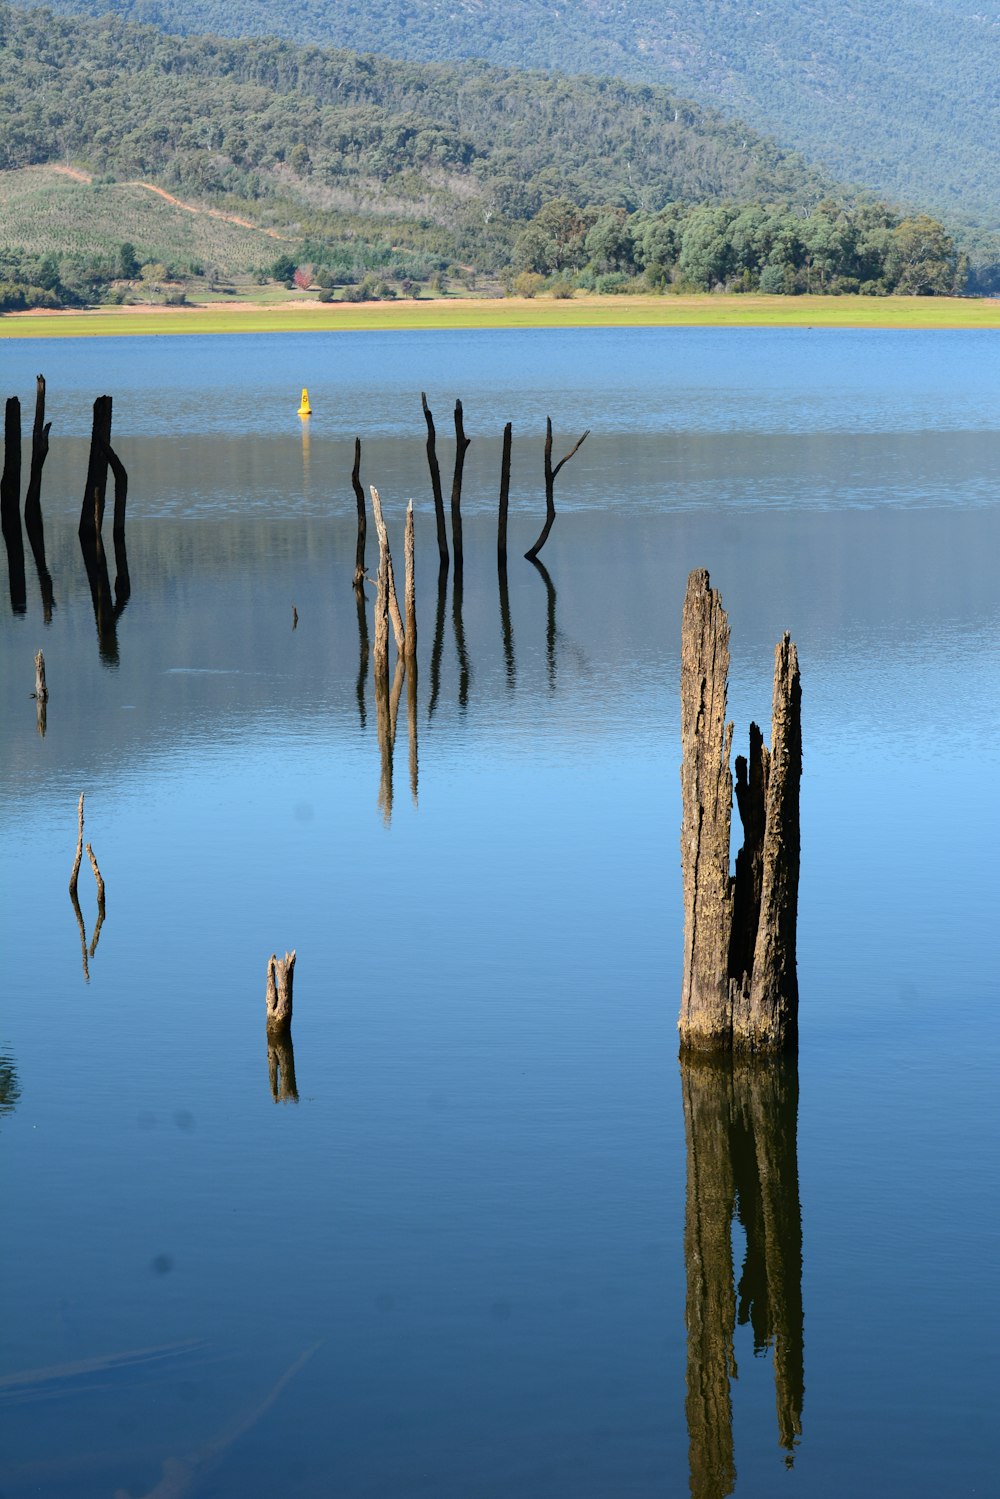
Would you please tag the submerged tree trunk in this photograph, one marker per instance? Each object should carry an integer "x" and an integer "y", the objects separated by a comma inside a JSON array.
[{"x": 739, "y": 985}]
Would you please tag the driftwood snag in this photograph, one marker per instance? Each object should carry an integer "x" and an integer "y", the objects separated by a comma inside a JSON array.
[
  {"x": 278, "y": 995},
  {"x": 740, "y": 988},
  {"x": 359, "y": 496},
  {"x": 385, "y": 571}
]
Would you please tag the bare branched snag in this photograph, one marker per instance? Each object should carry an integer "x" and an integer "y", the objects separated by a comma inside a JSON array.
[
  {"x": 435, "y": 468},
  {"x": 278, "y": 996},
  {"x": 550, "y": 485},
  {"x": 740, "y": 987}
]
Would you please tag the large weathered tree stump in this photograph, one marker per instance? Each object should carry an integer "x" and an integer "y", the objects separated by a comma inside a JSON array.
[
  {"x": 92, "y": 508},
  {"x": 278, "y": 995},
  {"x": 740, "y": 988}
]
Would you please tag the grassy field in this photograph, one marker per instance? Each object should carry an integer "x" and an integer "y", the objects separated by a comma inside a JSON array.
[{"x": 580, "y": 312}]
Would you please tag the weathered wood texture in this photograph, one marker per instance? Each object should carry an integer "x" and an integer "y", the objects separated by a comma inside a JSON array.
[
  {"x": 550, "y": 485},
  {"x": 278, "y": 995},
  {"x": 41, "y": 690},
  {"x": 435, "y": 470},
  {"x": 739, "y": 987},
  {"x": 385, "y": 564},
  {"x": 409, "y": 589}
]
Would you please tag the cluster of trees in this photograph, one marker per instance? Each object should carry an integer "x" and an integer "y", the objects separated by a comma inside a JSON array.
[
  {"x": 866, "y": 248},
  {"x": 55, "y": 281}
]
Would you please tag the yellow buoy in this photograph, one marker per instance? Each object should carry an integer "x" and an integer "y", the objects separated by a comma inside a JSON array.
[{"x": 304, "y": 407}]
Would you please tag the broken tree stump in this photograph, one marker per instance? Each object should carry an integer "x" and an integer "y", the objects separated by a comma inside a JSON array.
[
  {"x": 41, "y": 691},
  {"x": 278, "y": 995},
  {"x": 740, "y": 988}
]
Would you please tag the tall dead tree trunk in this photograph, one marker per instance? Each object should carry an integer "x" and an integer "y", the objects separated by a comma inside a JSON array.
[
  {"x": 33, "y": 498},
  {"x": 550, "y": 485},
  {"x": 92, "y": 509},
  {"x": 739, "y": 985},
  {"x": 10, "y": 505},
  {"x": 39, "y": 452},
  {"x": 385, "y": 563},
  {"x": 504, "y": 497},
  {"x": 359, "y": 495},
  {"x": 435, "y": 468},
  {"x": 409, "y": 589},
  {"x": 461, "y": 448}
]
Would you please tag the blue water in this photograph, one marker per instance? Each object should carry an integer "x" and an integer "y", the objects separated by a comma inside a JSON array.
[{"x": 473, "y": 1220}]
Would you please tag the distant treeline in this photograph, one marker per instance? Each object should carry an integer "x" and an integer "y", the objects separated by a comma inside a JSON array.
[{"x": 397, "y": 169}]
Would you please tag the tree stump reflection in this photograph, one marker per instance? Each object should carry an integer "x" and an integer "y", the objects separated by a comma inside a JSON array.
[{"x": 740, "y": 1130}]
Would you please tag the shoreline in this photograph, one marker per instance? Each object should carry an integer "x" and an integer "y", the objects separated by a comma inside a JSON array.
[{"x": 707, "y": 311}]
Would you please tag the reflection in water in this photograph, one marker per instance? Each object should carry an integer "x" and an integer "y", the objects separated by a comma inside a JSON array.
[
  {"x": 464, "y": 669},
  {"x": 550, "y": 615},
  {"x": 359, "y": 595},
  {"x": 507, "y": 629},
  {"x": 10, "y": 1088},
  {"x": 281, "y": 1067},
  {"x": 438, "y": 646},
  {"x": 740, "y": 1127},
  {"x": 411, "y": 722},
  {"x": 386, "y": 714}
]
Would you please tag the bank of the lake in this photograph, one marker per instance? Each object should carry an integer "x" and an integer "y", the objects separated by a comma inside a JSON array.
[{"x": 516, "y": 312}]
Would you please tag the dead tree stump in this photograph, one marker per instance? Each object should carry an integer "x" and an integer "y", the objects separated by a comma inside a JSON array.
[
  {"x": 740, "y": 988},
  {"x": 504, "y": 498},
  {"x": 278, "y": 996}
]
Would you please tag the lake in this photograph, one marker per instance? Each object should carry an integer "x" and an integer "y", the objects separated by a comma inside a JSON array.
[{"x": 503, "y": 1243}]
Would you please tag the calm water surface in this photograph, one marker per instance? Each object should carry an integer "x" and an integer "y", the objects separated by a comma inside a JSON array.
[{"x": 503, "y": 1244}]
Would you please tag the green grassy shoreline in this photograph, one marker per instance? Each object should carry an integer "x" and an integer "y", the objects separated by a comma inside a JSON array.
[{"x": 579, "y": 312}]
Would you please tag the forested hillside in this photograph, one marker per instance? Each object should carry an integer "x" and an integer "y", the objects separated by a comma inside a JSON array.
[
  {"x": 368, "y": 165},
  {"x": 900, "y": 95}
]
